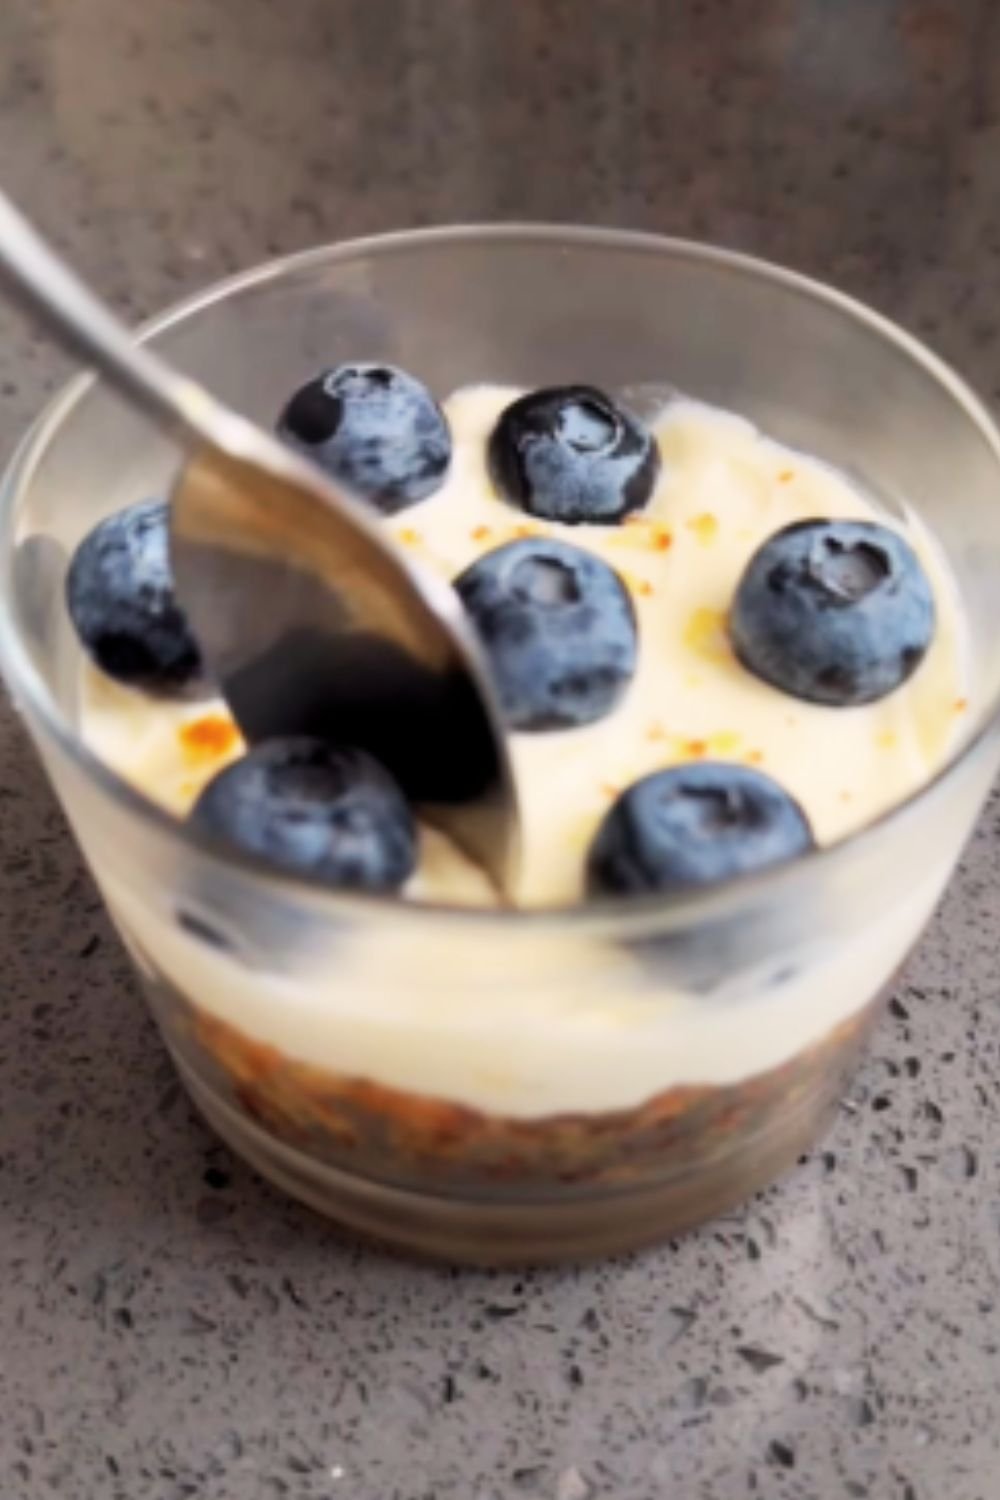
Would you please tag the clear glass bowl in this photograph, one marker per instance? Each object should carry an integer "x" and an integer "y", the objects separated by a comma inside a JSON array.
[{"x": 497, "y": 1086}]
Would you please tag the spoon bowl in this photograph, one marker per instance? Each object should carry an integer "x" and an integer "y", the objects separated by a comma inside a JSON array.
[{"x": 308, "y": 616}]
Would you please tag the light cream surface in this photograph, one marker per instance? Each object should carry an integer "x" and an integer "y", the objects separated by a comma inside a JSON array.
[{"x": 724, "y": 489}]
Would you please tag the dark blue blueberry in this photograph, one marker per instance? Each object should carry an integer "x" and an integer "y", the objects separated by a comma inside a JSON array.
[
  {"x": 315, "y": 809},
  {"x": 374, "y": 429},
  {"x": 559, "y": 630},
  {"x": 836, "y": 612},
  {"x": 120, "y": 595},
  {"x": 694, "y": 825},
  {"x": 570, "y": 454}
]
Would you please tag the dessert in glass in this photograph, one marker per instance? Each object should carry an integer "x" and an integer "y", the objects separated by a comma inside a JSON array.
[{"x": 726, "y": 538}]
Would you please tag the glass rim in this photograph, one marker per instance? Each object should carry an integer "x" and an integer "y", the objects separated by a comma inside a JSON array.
[{"x": 608, "y": 916}]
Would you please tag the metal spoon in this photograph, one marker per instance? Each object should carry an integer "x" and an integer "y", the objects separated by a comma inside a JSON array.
[{"x": 309, "y": 618}]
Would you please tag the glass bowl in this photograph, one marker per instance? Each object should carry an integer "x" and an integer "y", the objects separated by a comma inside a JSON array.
[{"x": 502, "y": 1086}]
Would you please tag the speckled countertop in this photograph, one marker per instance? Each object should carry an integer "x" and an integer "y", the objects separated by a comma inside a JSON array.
[{"x": 169, "y": 1327}]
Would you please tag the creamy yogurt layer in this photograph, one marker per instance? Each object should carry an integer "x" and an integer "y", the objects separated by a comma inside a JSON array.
[{"x": 724, "y": 488}]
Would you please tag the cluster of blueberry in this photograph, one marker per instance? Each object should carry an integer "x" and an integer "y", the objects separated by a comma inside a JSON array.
[{"x": 837, "y": 613}]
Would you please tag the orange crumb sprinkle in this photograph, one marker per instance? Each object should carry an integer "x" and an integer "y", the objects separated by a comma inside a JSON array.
[
  {"x": 960, "y": 705},
  {"x": 636, "y": 531},
  {"x": 786, "y": 476},
  {"x": 636, "y": 585},
  {"x": 696, "y": 748},
  {"x": 481, "y": 533},
  {"x": 705, "y": 633},
  {"x": 527, "y": 530},
  {"x": 608, "y": 789},
  {"x": 206, "y": 738},
  {"x": 409, "y": 537},
  {"x": 724, "y": 742},
  {"x": 704, "y": 527},
  {"x": 755, "y": 757},
  {"x": 655, "y": 733}
]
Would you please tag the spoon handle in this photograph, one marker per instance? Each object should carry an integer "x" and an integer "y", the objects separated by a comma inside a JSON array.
[{"x": 41, "y": 282}]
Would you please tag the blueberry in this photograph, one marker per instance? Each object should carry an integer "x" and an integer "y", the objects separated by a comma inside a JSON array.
[
  {"x": 375, "y": 429},
  {"x": 120, "y": 596},
  {"x": 558, "y": 628},
  {"x": 570, "y": 454},
  {"x": 836, "y": 612},
  {"x": 315, "y": 809},
  {"x": 694, "y": 825}
]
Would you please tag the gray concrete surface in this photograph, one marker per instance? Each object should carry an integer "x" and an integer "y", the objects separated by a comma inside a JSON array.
[{"x": 170, "y": 1327}]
